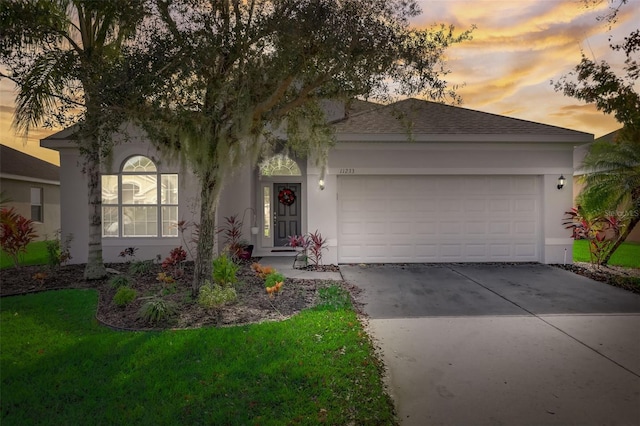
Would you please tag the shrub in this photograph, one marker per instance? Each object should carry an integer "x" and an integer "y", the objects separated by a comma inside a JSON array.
[
  {"x": 165, "y": 278},
  {"x": 129, "y": 253},
  {"x": 16, "y": 232},
  {"x": 295, "y": 241},
  {"x": 317, "y": 243},
  {"x": 602, "y": 232},
  {"x": 173, "y": 263},
  {"x": 232, "y": 235},
  {"x": 58, "y": 252},
  {"x": 119, "y": 281},
  {"x": 157, "y": 310},
  {"x": 213, "y": 295},
  {"x": 224, "y": 271},
  {"x": 124, "y": 296},
  {"x": 140, "y": 267},
  {"x": 262, "y": 271},
  {"x": 273, "y": 278}
]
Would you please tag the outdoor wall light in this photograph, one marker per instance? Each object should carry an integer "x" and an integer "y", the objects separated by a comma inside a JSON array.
[
  {"x": 561, "y": 181},
  {"x": 321, "y": 179}
]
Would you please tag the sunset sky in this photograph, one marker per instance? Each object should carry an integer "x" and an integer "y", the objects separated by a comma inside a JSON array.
[{"x": 518, "y": 48}]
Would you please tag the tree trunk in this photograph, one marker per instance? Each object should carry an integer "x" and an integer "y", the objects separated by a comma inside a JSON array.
[
  {"x": 634, "y": 221},
  {"x": 207, "y": 232},
  {"x": 94, "y": 269}
]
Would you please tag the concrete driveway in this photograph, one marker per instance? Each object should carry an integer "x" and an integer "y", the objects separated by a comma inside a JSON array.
[{"x": 503, "y": 345}]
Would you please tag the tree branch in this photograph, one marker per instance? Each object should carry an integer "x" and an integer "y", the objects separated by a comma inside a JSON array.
[{"x": 53, "y": 95}]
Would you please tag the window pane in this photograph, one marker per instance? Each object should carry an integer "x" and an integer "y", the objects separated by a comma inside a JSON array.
[
  {"x": 36, "y": 213},
  {"x": 36, "y": 204},
  {"x": 170, "y": 221},
  {"x": 109, "y": 189},
  {"x": 279, "y": 165},
  {"x": 267, "y": 210},
  {"x": 169, "y": 189},
  {"x": 109, "y": 221},
  {"x": 36, "y": 196},
  {"x": 139, "y": 163},
  {"x": 139, "y": 189},
  {"x": 140, "y": 221}
]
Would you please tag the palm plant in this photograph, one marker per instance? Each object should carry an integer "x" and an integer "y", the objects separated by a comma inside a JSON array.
[
  {"x": 65, "y": 57},
  {"x": 612, "y": 182}
]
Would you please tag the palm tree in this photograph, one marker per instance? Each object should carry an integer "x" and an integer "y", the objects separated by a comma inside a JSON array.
[
  {"x": 65, "y": 58},
  {"x": 612, "y": 182}
]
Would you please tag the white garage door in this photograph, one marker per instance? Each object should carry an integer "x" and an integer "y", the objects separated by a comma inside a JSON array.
[{"x": 438, "y": 219}]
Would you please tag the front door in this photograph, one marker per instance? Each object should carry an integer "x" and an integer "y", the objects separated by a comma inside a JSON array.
[{"x": 287, "y": 212}]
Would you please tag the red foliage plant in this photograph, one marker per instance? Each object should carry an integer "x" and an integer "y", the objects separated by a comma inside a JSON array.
[
  {"x": 317, "y": 243},
  {"x": 16, "y": 232},
  {"x": 172, "y": 262},
  {"x": 600, "y": 231}
]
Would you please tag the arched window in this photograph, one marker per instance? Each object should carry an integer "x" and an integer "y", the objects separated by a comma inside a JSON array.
[
  {"x": 139, "y": 201},
  {"x": 279, "y": 165}
]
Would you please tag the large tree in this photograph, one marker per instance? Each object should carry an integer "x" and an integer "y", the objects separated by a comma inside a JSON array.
[
  {"x": 65, "y": 58},
  {"x": 612, "y": 179},
  {"x": 241, "y": 73}
]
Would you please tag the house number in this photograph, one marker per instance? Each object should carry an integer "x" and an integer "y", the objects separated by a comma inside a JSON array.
[{"x": 347, "y": 171}]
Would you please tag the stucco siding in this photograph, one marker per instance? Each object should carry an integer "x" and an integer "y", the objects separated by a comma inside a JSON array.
[
  {"x": 74, "y": 216},
  {"x": 19, "y": 192}
]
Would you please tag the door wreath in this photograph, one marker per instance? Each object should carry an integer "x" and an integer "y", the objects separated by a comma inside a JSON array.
[{"x": 286, "y": 197}]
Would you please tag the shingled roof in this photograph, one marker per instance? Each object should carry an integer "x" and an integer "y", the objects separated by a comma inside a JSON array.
[
  {"x": 16, "y": 163},
  {"x": 422, "y": 117}
]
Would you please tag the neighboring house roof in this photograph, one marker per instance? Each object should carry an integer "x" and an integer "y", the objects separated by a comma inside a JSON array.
[
  {"x": 357, "y": 106},
  {"x": 18, "y": 165},
  {"x": 609, "y": 137},
  {"x": 579, "y": 152},
  {"x": 419, "y": 117}
]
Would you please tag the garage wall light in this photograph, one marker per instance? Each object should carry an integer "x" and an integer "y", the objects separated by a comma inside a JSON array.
[
  {"x": 561, "y": 182},
  {"x": 321, "y": 180}
]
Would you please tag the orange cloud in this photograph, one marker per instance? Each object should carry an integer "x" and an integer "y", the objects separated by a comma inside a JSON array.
[{"x": 520, "y": 47}]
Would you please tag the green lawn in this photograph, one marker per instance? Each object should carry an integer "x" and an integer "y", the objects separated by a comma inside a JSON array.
[
  {"x": 628, "y": 254},
  {"x": 59, "y": 366},
  {"x": 36, "y": 255}
]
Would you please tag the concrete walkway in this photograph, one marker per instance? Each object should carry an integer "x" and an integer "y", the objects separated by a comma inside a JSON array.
[
  {"x": 509, "y": 344},
  {"x": 284, "y": 265}
]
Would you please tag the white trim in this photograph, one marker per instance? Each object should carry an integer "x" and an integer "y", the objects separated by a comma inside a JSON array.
[
  {"x": 138, "y": 241},
  {"x": 473, "y": 138},
  {"x": 458, "y": 146},
  {"x": 29, "y": 179},
  {"x": 449, "y": 171}
]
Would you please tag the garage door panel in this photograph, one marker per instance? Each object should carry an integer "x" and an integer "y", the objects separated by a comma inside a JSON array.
[
  {"x": 499, "y": 227},
  {"x": 401, "y": 228},
  {"x": 475, "y": 251},
  {"x": 438, "y": 218},
  {"x": 500, "y": 205},
  {"x": 525, "y": 228},
  {"x": 525, "y": 250},
  {"x": 475, "y": 228},
  {"x": 376, "y": 228},
  {"x": 524, "y": 185},
  {"x": 475, "y": 205},
  {"x": 499, "y": 185},
  {"x": 524, "y": 205},
  {"x": 450, "y": 205}
]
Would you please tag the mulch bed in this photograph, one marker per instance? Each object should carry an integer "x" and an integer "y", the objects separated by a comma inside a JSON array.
[
  {"x": 626, "y": 278},
  {"x": 253, "y": 305}
]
